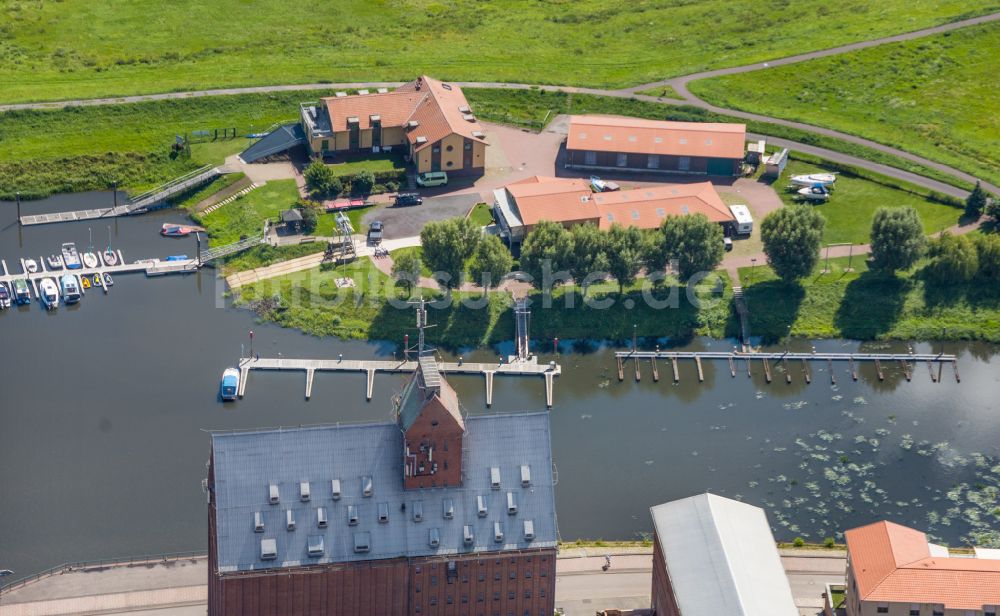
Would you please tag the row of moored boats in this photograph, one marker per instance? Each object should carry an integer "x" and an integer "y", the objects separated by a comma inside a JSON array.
[{"x": 70, "y": 286}]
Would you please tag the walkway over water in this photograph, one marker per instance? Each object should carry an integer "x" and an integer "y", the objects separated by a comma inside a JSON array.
[
  {"x": 138, "y": 205},
  {"x": 529, "y": 367},
  {"x": 907, "y": 362}
]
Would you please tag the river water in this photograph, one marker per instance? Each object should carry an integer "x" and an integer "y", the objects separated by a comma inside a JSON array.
[{"x": 105, "y": 408}]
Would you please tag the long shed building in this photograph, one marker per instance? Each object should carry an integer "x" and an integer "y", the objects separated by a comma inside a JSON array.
[{"x": 618, "y": 143}]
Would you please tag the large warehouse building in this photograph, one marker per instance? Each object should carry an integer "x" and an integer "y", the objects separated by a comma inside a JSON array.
[
  {"x": 652, "y": 146},
  {"x": 437, "y": 513}
]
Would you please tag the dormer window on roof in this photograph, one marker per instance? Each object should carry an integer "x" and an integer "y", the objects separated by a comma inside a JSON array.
[
  {"x": 353, "y": 120},
  {"x": 315, "y": 545},
  {"x": 374, "y": 118},
  {"x": 468, "y": 117},
  {"x": 304, "y": 491},
  {"x": 289, "y": 519},
  {"x": 335, "y": 488},
  {"x": 421, "y": 139},
  {"x": 268, "y": 549},
  {"x": 495, "y": 477},
  {"x": 412, "y": 124},
  {"x": 525, "y": 475},
  {"x": 366, "y": 486},
  {"x": 362, "y": 542},
  {"x": 478, "y": 134},
  {"x": 258, "y": 522},
  {"x": 321, "y": 517},
  {"x": 273, "y": 495},
  {"x": 464, "y": 109},
  {"x": 448, "y": 508}
]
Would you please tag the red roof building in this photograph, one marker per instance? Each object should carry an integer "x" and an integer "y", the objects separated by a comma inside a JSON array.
[{"x": 892, "y": 569}]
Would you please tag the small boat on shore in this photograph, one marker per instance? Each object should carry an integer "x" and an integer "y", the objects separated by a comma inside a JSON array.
[
  {"x": 71, "y": 259},
  {"x": 172, "y": 230},
  {"x": 22, "y": 292},
  {"x": 55, "y": 262},
  {"x": 817, "y": 193},
  {"x": 30, "y": 266},
  {"x": 826, "y": 179},
  {"x": 90, "y": 260},
  {"x": 5, "y": 298},
  {"x": 177, "y": 258},
  {"x": 230, "y": 384},
  {"x": 49, "y": 293},
  {"x": 110, "y": 257},
  {"x": 70, "y": 289}
]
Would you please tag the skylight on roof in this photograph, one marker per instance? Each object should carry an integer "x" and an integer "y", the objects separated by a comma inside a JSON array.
[{"x": 446, "y": 86}]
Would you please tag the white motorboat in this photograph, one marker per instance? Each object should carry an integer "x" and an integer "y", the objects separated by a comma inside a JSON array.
[
  {"x": 49, "y": 293},
  {"x": 230, "y": 385},
  {"x": 70, "y": 257},
  {"x": 110, "y": 258},
  {"x": 5, "y": 298},
  {"x": 30, "y": 266},
  {"x": 824, "y": 179},
  {"x": 55, "y": 262},
  {"x": 70, "y": 289},
  {"x": 817, "y": 193},
  {"x": 90, "y": 260}
]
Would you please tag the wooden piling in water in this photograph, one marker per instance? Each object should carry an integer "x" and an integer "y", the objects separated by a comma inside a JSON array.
[
  {"x": 854, "y": 371},
  {"x": 805, "y": 371},
  {"x": 833, "y": 376},
  {"x": 749, "y": 374},
  {"x": 701, "y": 373},
  {"x": 767, "y": 370},
  {"x": 788, "y": 373},
  {"x": 638, "y": 376},
  {"x": 673, "y": 364},
  {"x": 878, "y": 370},
  {"x": 489, "y": 387},
  {"x": 906, "y": 369},
  {"x": 954, "y": 365},
  {"x": 371, "y": 383},
  {"x": 621, "y": 370},
  {"x": 656, "y": 371},
  {"x": 309, "y": 382},
  {"x": 732, "y": 366},
  {"x": 548, "y": 389},
  {"x": 930, "y": 368}
]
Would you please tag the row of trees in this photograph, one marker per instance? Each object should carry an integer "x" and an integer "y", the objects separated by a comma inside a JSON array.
[
  {"x": 323, "y": 182},
  {"x": 448, "y": 247}
]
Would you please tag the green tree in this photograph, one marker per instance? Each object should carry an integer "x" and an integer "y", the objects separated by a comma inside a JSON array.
[
  {"x": 406, "y": 269},
  {"x": 791, "y": 239},
  {"x": 547, "y": 249},
  {"x": 590, "y": 254},
  {"x": 625, "y": 253},
  {"x": 975, "y": 203},
  {"x": 954, "y": 260},
  {"x": 490, "y": 263},
  {"x": 309, "y": 218},
  {"x": 988, "y": 253},
  {"x": 693, "y": 242},
  {"x": 992, "y": 210},
  {"x": 321, "y": 180},
  {"x": 897, "y": 239},
  {"x": 447, "y": 245},
  {"x": 362, "y": 182}
]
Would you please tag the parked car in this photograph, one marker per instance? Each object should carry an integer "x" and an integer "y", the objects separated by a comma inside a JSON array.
[
  {"x": 432, "y": 178},
  {"x": 728, "y": 243},
  {"x": 408, "y": 199},
  {"x": 375, "y": 231}
]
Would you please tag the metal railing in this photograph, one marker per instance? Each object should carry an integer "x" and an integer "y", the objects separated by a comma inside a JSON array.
[
  {"x": 171, "y": 183},
  {"x": 101, "y": 563}
]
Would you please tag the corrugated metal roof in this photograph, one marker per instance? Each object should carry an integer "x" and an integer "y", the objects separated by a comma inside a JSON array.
[
  {"x": 721, "y": 558},
  {"x": 245, "y": 464}
]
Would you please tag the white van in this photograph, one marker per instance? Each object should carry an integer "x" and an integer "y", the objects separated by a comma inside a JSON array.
[
  {"x": 432, "y": 178},
  {"x": 744, "y": 222}
]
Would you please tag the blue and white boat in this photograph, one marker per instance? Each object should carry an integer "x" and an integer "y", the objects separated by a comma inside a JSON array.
[
  {"x": 4, "y": 296},
  {"x": 70, "y": 289},
  {"x": 70, "y": 257},
  {"x": 49, "y": 293},
  {"x": 230, "y": 384}
]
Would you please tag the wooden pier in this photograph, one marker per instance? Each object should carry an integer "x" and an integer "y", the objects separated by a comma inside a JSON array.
[
  {"x": 150, "y": 267},
  {"x": 906, "y": 360},
  {"x": 528, "y": 367}
]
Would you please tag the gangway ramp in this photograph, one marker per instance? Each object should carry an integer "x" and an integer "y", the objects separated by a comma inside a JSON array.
[{"x": 281, "y": 139}]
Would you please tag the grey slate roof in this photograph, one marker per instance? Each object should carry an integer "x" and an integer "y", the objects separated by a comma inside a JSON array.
[
  {"x": 424, "y": 385},
  {"x": 245, "y": 465}
]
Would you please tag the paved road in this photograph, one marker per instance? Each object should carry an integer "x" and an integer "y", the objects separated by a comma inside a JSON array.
[
  {"x": 408, "y": 221},
  {"x": 678, "y": 83}
]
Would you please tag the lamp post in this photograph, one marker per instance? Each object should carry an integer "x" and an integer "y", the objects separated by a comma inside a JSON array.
[
  {"x": 753, "y": 265},
  {"x": 18, "y": 197}
]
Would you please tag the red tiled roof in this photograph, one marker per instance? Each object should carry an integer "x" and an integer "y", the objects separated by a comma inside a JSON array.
[
  {"x": 571, "y": 200},
  {"x": 434, "y": 104},
  {"x": 893, "y": 563},
  {"x": 638, "y": 136}
]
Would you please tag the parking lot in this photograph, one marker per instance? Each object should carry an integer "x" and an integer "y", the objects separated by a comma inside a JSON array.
[{"x": 408, "y": 221}]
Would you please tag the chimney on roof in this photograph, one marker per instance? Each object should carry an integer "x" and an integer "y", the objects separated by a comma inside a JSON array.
[{"x": 419, "y": 84}]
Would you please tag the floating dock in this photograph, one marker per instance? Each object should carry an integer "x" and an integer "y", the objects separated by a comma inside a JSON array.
[
  {"x": 526, "y": 367},
  {"x": 906, "y": 360}
]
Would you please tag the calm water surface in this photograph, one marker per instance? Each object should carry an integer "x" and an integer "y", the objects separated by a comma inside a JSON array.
[{"x": 105, "y": 410}]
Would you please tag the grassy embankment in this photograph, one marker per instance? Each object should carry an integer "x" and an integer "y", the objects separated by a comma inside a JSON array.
[
  {"x": 246, "y": 215},
  {"x": 528, "y": 109},
  {"x": 87, "y": 148},
  {"x": 91, "y": 48},
  {"x": 935, "y": 96},
  {"x": 312, "y": 303},
  {"x": 863, "y": 305},
  {"x": 481, "y": 214},
  {"x": 849, "y": 211},
  {"x": 661, "y": 92}
]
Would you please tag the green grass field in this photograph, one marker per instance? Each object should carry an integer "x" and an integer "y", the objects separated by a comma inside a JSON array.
[
  {"x": 246, "y": 215},
  {"x": 849, "y": 211},
  {"x": 661, "y": 92},
  {"x": 862, "y": 305},
  {"x": 90, "y": 48},
  {"x": 936, "y": 96}
]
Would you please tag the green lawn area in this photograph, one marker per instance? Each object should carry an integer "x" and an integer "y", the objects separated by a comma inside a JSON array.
[
  {"x": 312, "y": 303},
  {"x": 482, "y": 214},
  {"x": 862, "y": 305},
  {"x": 370, "y": 162},
  {"x": 849, "y": 211},
  {"x": 661, "y": 92},
  {"x": 192, "y": 198},
  {"x": 935, "y": 96},
  {"x": 246, "y": 215},
  {"x": 326, "y": 222},
  {"x": 90, "y": 48},
  {"x": 532, "y": 108},
  {"x": 837, "y": 597},
  {"x": 263, "y": 256}
]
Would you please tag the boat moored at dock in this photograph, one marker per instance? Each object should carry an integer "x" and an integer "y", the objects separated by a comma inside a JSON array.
[
  {"x": 173, "y": 230},
  {"x": 230, "y": 385},
  {"x": 55, "y": 262},
  {"x": 49, "y": 293},
  {"x": 30, "y": 266},
  {"x": 90, "y": 260},
  {"x": 70, "y": 289},
  {"x": 5, "y": 297},
  {"x": 22, "y": 292},
  {"x": 71, "y": 259}
]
